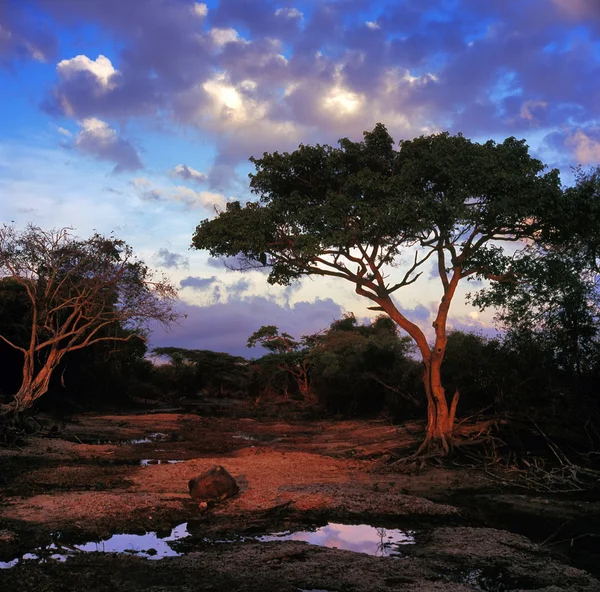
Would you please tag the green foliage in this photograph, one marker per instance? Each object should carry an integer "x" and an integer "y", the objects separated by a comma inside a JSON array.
[
  {"x": 288, "y": 359},
  {"x": 365, "y": 369},
  {"x": 320, "y": 202},
  {"x": 479, "y": 211},
  {"x": 193, "y": 371},
  {"x": 268, "y": 336}
]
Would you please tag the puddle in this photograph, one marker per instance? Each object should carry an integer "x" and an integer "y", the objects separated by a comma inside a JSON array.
[
  {"x": 361, "y": 538},
  {"x": 154, "y": 461},
  {"x": 148, "y": 545}
]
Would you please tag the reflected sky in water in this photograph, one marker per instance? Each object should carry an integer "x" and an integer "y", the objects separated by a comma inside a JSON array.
[
  {"x": 360, "y": 538},
  {"x": 138, "y": 544}
]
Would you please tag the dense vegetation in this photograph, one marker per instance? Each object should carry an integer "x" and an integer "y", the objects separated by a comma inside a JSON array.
[
  {"x": 72, "y": 311},
  {"x": 378, "y": 217}
]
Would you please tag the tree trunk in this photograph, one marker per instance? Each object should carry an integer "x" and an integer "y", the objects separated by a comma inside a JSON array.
[
  {"x": 33, "y": 385},
  {"x": 440, "y": 417}
]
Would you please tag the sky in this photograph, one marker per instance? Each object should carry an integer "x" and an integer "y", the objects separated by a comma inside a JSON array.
[{"x": 138, "y": 117}]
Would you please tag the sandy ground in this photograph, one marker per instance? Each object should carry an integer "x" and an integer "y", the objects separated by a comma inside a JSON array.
[{"x": 289, "y": 474}]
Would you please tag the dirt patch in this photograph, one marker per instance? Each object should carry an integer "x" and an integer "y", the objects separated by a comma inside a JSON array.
[{"x": 290, "y": 475}]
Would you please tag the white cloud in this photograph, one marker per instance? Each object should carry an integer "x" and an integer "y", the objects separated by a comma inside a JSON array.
[
  {"x": 188, "y": 173},
  {"x": 97, "y": 129},
  {"x": 202, "y": 199},
  {"x": 200, "y": 9},
  {"x": 102, "y": 69},
  {"x": 148, "y": 191},
  {"x": 231, "y": 104},
  {"x": 99, "y": 140},
  {"x": 221, "y": 37},
  {"x": 63, "y": 132},
  {"x": 291, "y": 13},
  {"x": 373, "y": 25},
  {"x": 342, "y": 102}
]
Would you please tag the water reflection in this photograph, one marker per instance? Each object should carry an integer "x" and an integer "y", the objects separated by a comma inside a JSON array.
[
  {"x": 155, "y": 461},
  {"x": 361, "y": 538},
  {"x": 148, "y": 545}
]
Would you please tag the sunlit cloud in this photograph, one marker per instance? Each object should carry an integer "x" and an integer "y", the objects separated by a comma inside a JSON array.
[
  {"x": 585, "y": 148},
  {"x": 99, "y": 140}
]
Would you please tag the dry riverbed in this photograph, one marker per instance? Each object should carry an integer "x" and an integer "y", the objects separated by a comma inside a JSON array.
[{"x": 305, "y": 489}]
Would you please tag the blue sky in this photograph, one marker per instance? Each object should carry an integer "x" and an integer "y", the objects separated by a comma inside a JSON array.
[{"x": 139, "y": 116}]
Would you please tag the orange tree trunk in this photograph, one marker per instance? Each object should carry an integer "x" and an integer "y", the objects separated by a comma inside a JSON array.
[{"x": 33, "y": 385}]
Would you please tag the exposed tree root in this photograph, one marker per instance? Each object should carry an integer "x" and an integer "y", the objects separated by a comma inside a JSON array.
[{"x": 467, "y": 433}]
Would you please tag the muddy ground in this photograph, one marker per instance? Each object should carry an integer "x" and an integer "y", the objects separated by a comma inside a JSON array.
[{"x": 87, "y": 483}]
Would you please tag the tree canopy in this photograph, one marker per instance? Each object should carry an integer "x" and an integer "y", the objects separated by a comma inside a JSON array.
[{"x": 377, "y": 216}]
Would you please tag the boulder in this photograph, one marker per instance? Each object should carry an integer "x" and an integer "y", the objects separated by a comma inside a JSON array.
[{"x": 212, "y": 486}]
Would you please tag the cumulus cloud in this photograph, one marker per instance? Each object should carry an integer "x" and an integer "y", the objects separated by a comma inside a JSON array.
[
  {"x": 479, "y": 68},
  {"x": 198, "y": 283},
  {"x": 289, "y": 13},
  {"x": 200, "y": 9},
  {"x": 168, "y": 259},
  {"x": 149, "y": 191},
  {"x": 188, "y": 173},
  {"x": 96, "y": 138},
  {"x": 238, "y": 289},
  {"x": 222, "y": 37},
  {"x": 585, "y": 147},
  {"x": 101, "y": 69}
]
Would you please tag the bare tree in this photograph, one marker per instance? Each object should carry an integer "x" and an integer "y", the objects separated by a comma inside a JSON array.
[{"x": 77, "y": 291}]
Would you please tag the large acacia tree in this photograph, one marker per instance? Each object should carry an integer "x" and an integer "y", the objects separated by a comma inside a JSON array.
[
  {"x": 378, "y": 217},
  {"x": 74, "y": 293}
]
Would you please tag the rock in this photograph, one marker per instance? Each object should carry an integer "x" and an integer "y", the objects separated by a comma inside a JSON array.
[
  {"x": 212, "y": 486},
  {"x": 7, "y": 536}
]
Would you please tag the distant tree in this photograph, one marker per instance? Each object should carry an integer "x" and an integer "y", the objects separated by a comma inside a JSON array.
[
  {"x": 195, "y": 370},
  {"x": 287, "y": 355},
  {"x": 356, "y": 212},
  {"x": 74, "y": 292}
]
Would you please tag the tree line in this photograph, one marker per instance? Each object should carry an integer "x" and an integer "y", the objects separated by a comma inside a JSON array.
[{"x": 378, "y": 217}]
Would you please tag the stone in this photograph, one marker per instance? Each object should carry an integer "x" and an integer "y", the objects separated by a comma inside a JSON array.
[{"x": 212, "y": 486}]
